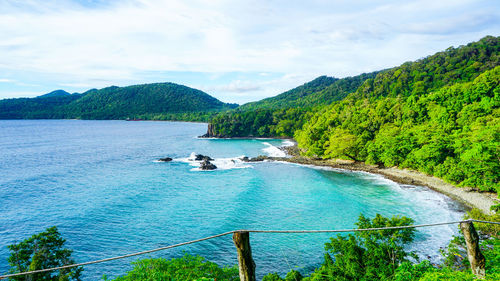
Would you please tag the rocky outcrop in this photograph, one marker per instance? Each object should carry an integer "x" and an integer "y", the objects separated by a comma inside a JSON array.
[
  {"x": 201, "y": 157},
  {"x": 210, "y": 132},
  {"x": 166, "y": 159},
  {"x": 261, "y": 158},
  {"x": 207, "y": 165}
]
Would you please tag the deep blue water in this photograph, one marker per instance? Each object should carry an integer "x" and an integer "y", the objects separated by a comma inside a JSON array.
[{"x": 99, "y": 183}]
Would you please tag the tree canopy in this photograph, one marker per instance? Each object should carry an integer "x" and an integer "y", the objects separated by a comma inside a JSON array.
[{"x": 41, "y": 251}]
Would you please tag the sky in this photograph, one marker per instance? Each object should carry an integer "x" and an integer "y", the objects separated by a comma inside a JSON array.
[{"x": 236, "y": 51}]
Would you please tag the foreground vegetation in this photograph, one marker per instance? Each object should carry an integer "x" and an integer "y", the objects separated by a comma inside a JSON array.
[
  {"x": 374, "y": 255},
  {"x": 43, "y": 250},
  {"x": 439, "y": 115}
]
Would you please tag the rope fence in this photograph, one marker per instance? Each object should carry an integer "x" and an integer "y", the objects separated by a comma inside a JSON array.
[{"x": 237, "y": 232}]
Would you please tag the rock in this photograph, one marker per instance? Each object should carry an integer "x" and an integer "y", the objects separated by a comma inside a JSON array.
[
  {"x": 210, "y": 132},
  {"x": 206, "y": 165},
  {"x": 259, "y": 158},
  {"x": 166, "y": 159},
  {"x": 201, "y": 157}
]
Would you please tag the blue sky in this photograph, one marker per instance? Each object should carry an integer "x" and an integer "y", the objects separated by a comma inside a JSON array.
[{"x": 237, "y": 51}]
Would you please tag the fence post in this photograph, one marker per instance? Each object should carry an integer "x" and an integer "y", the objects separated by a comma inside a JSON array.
[
  {"x": 476, "y": 258},
  {"x": 245, "y": 261}
]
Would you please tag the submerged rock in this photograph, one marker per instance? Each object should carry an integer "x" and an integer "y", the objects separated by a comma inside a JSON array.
[
  {"x": 166, "y": 159},
  {"x": 206, "y": 165}
]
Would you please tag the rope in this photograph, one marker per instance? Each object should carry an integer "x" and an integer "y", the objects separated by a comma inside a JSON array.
[
  {"x": 115, "y": 258},
  {"x": 353, "y": 229},
  {"x": 238, "y": 231},
  {"x": 490, "y": 222}
]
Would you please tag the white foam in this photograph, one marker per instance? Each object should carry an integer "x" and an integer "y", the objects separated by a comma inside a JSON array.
[
  {"x": 189, "y": 159},
  {"x": 221, "y": 163},
  {"x": 228, "y": 164},
  {"x": 273, "y": 151},
  {"x": 287, "y": 143}
]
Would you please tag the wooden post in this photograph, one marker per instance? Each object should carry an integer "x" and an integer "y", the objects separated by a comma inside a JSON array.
[
  {"x": 476, "y": 258},
  {"x": 245, "y": 261}
]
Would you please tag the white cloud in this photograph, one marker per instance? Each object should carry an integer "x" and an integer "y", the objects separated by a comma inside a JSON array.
[
  {"x": 241, "y": 91},
  {"x": 114, "y": 43}
]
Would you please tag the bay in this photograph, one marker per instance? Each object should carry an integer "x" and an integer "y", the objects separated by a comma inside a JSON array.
[{"x": 99, "y": 183}]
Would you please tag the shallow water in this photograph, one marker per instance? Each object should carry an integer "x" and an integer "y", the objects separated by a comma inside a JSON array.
[{"x": 98, "y": 181}]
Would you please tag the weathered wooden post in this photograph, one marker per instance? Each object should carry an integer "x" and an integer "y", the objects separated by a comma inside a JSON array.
[
  {"x": 245, "y": 260},
  {"x": 476, "y": 258}
]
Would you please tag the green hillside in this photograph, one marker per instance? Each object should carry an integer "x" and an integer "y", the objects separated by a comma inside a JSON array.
[
  {"x": 321, "y": 91},
  {"x": 35, "y": 108},
  {"x": 453, "y": 132},
  {"x": 439, "y": 115},
  {"x": 282, "y": 115},
  {"x": 161, "y": 101},
  {"x": 290, "y": 98},
  {"x": 56, "y": 93}
]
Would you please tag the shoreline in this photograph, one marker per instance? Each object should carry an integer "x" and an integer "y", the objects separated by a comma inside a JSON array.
[{"x": 470, "y": 198}]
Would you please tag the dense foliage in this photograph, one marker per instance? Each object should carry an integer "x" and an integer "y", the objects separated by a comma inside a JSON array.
[
  {"x": 160, "y": 101},
  {"x": 259, "y": 123},
  {"x": 185, "y": 268},
  {"x": 373, "y": 255},
  {"x": 452, "y": 132},
  {"x": 40, "y": 251}
]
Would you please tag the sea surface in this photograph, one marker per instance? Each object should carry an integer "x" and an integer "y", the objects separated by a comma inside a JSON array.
[{"x": 100, "y": 184}]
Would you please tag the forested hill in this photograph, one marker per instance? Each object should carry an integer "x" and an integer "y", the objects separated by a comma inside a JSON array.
[
  {"x": 282, "y": 115},
  {"x": 439, "y": 115},
  {"x": 160, "y": 101},
  {"x": 321, "y": 91}
]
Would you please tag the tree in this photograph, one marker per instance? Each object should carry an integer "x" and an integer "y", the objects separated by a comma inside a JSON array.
[
  {"x": 368, "y": 255},
  {"x": 341, "y": 143},
  {"x": 185, "y": 268},
  {"x": 41, "y": 251}
]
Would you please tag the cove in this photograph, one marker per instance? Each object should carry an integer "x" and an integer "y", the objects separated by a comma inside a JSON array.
[{"x": 98, "y": 181}]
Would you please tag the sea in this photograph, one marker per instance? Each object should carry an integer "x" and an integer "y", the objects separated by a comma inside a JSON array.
[{"x": 101, "y": 184}]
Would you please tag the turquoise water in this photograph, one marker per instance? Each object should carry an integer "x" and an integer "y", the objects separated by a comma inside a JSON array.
[{"x": 98, "y": 181}]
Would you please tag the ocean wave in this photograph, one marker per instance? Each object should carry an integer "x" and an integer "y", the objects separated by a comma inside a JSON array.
[
  {"x": 221, "y": 163},
  {"x": 287, "y": 143},
  {"x": 273, "y": 151}
]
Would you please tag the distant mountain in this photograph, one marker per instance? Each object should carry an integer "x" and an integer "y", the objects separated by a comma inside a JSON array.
[
  {"x": 148, "y": 101},
  {"x": 321, "y": 91},
  {"x": 56, "y": 93},
  {"x": 291, "y": 97}
]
